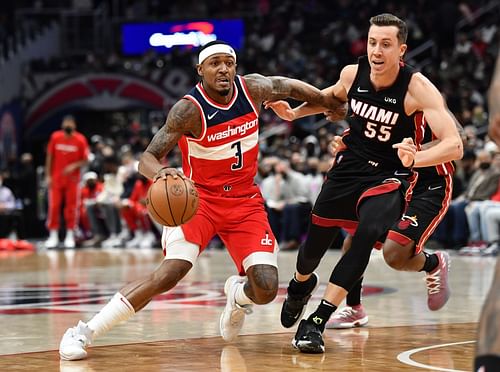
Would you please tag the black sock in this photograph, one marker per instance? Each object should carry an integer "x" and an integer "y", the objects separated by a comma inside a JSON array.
[
  {"x": 490, "y": 363},
  {"x": 431, "y": 262},
  {"x": 354, "y": 296},
  {"x": 322, "y": 314},
  {"x": 296, "y": 288}
]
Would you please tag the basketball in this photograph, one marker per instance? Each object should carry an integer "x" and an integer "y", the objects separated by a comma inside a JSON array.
[{"x": 172, "y": 201}]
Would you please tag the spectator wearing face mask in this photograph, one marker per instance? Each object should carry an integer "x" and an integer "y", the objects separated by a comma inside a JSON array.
[
  {"x": 476, "y": 210},
  {"x": 135, "y": 213},
  {"x": 288, "y": 203},
  {"x": 67, "y": 152}
]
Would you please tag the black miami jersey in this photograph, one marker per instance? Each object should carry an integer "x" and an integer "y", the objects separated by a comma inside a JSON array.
[{"x": 377, "y": 118}]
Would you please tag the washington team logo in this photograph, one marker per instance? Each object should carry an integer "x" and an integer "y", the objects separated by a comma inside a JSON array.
[{"x": 406, "y": 221}]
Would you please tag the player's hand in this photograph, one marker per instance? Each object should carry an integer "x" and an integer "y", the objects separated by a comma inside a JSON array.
[
  {"x": 281, "y": 108},
  {"x": 406, "y": 152},
  {"x": 68, "y": 169},
  {"x": 338, "y": 114},
  {"x": 336, "y": 145},
  {"x": 164, "y": 172},
  {"x": 48, "y": 181}
]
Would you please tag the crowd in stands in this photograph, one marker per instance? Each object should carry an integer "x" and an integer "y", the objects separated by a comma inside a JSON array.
[{"x": 312, "y": 41}]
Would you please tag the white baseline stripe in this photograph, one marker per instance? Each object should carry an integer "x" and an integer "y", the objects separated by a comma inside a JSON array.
[
  {"x": 404, "y": 357},
  {"x": 222, "y": 151}
]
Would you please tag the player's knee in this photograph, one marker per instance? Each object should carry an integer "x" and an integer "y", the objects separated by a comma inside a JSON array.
[
  {"x": 395, "y": 255},
  {"x": 263, "y": 296},
  {"x": 263, "y": 282},
  {"x": 169, "y": 274}
]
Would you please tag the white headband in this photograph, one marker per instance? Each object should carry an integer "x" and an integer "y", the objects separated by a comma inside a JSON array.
[{"x": 215, "y": 49}]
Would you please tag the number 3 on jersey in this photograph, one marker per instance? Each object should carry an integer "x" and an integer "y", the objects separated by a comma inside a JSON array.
[
  {"x": 238, "y": 155},
  {"x": 382, "y": 132}
]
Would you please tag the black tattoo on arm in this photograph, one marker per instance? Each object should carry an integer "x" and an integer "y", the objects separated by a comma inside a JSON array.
[
  {"x": 277, "y": 87},
  {"x": 183, "y": 118}
]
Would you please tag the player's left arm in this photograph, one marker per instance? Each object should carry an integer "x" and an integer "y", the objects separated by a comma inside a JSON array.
[
  {"x": 425, "y": 97},
  {"x": 273, "y": 88}
]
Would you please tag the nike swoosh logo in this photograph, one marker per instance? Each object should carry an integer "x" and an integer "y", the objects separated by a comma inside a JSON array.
[
  {"x": 362, "y": 90},
  {"x": 430, "y": 188},
  {"x": 396, "y": 173},
  {"x": 210, "y": 116}
]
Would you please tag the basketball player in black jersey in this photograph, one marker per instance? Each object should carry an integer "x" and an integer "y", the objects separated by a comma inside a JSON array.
[
  {"x": 487, "y": 357},
  {"x": 365, "y": 189},
  {"x": 403, "y": 244}
]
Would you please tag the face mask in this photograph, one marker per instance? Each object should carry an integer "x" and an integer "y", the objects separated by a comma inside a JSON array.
[
  {"x": 484, "y": 165},
  {"x": 68, "y": 130}
]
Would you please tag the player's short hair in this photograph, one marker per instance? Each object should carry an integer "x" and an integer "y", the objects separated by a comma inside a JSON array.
[
  {"x": 387, "y": 19},
  {"x": 69, "y": 118}
]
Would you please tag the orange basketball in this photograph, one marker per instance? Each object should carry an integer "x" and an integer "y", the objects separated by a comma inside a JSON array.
[{"x": 173, "y": 201}]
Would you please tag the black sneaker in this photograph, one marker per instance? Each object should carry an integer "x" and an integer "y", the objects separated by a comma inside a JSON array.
[
  {"x": 294, "y": 306},
  {"x": 308, "y": 338}
]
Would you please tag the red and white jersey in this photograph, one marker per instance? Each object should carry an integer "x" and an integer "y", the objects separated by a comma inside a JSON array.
[
  {"x": 67, "y": 150},
  {"x": 223, "y": 160}
]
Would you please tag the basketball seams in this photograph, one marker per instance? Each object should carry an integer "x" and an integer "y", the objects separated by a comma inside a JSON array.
[
  {"x": 168, "y": 206},
  {"x": 154, "y": 209},
  {"x": 186, "y": 202},
  {"x": 168, "y": 202}
]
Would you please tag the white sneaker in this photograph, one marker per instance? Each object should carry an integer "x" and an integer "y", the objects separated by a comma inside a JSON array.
[
  {"x": 69, "y": 241},
  {"x": 148, "y": 240},
  {"x": 112, "y": 242},
  {"x": 233, "y": 315},
  {"x": 75, "y": 341},
  {"x": 136, "y": 241},
  {"x": 52, "y": 241}
]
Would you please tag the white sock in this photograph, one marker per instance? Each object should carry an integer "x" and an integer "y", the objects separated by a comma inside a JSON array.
[
  {"x": 117, "y": 310},
  {"x": 53, "y": 234},
  {"x": 240, "y": 296},
  {"x": 70, "y": 234}
]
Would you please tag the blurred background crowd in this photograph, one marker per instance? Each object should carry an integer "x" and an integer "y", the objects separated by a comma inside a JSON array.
[{"x": 46, "y": 44}]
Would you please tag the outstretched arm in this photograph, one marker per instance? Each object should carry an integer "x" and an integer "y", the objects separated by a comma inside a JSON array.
[
  {"x": 275, "y": 88},
  {"x": 183, "y": 118},
  {"x": 338, "y": 92}
]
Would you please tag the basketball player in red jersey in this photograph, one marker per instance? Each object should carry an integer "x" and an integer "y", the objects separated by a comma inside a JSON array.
[
  {"x": 365, "y": 189},
  {"x": 67, "y": 152},
  {"x": 487, "y": 356},
  {"x": 216, "y": 128}
]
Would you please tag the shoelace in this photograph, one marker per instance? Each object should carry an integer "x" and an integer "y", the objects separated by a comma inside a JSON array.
[
  {"x": 80, "y": 334},
  {"x": 346, "y": 313},
  {"x": 433, "y": 282}
]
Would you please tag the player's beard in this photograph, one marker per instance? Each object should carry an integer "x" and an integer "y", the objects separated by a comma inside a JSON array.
[{"x": 224, "y": 92}]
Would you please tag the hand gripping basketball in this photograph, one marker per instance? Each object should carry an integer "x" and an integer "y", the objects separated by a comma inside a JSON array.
[{"x": 172, "y": 201}]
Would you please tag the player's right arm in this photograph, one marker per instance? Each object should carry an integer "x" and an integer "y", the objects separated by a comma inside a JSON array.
[
  {"x": 183, "y": 118},
  {"x": 338, "y": 90}
]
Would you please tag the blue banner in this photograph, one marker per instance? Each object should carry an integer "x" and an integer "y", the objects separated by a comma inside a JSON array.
[{"x": 138, "y": 38}]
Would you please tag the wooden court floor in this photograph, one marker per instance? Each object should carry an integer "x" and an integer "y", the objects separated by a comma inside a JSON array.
[{"x": 42, "y": 294}]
